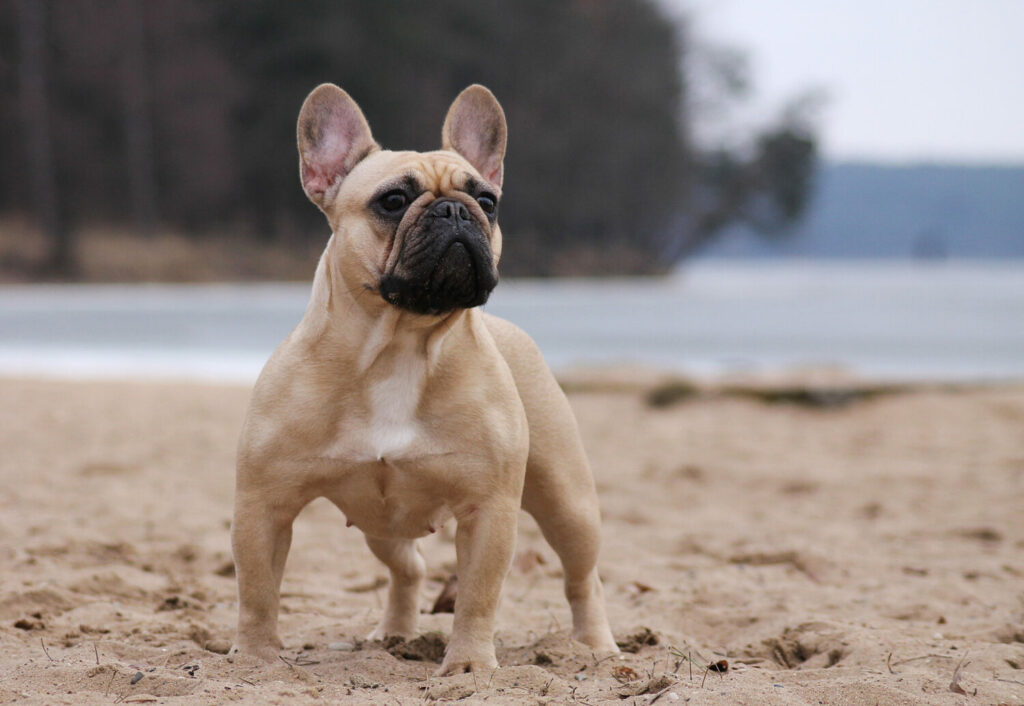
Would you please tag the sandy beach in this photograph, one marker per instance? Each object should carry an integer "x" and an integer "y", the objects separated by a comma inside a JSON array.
[{"x": 761, "y": 545}]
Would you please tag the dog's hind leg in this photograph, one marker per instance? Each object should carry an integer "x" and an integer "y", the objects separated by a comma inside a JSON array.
[
  {"x": 567, "y": 513},
  {"x": 404, "y": 561}
]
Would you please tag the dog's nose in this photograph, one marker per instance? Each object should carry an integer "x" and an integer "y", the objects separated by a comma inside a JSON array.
[{"x": 450, "y": 209}]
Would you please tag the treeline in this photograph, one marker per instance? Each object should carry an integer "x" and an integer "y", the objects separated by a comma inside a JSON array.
[{"x": 181, "y": 114}]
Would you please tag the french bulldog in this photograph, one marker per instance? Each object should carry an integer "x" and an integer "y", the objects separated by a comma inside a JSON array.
[{"x": 403, "y": 403}]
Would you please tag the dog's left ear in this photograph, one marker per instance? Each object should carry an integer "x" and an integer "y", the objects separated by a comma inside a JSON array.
[
  {"x": 333, "y": 138},
  {"x": 475, "y": 128}
]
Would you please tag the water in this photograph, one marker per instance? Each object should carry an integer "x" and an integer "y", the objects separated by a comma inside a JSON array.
[{"x": 952, "y": 321}]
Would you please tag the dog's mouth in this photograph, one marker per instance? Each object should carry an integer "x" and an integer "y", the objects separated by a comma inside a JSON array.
[
  {"x": 455, "y": 281},
  {"x": 446, "y": 263}
]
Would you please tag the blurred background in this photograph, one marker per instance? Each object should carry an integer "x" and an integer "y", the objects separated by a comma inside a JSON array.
[{"x": 703, "y": 186}]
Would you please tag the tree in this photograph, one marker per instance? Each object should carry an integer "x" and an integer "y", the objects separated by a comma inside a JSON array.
[
  {"x": 136, "y": 81},
  {"x": 34, "y": 90}
]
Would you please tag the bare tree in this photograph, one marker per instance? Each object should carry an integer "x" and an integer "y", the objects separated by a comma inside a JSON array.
[
  {"x": 35, "y": 110},
  {"x": 138, "y": 115}
]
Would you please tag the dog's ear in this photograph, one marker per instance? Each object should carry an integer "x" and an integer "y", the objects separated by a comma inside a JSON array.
[
  {"x": 475, "y": 128},
  {"x": 333, "y": 137}
]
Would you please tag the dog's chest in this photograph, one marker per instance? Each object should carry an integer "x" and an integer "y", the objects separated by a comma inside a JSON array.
[
  {"x": 386, "y": 427},
  {"x": 393, "y": 403},
  {"x": 388, "y": 490}
]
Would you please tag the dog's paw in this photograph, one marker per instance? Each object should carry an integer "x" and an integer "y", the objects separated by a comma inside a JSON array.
[
  {"x": 266, "y": 653},
  {"x": 383, "y": 632},
  {"x": 599, "y": 640},
  {"x": 458, "y": 662}
]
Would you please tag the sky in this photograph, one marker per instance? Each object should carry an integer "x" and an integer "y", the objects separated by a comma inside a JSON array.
[{"x": 903, "y": 80}]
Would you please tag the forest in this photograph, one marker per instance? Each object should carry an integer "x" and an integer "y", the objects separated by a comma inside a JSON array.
[{"x": 178, "y": 116}]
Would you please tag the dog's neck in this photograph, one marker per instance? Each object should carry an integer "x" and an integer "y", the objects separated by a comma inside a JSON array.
[
  {"x": 390, "y": 336},
  {"x": 387, "y": 333}
]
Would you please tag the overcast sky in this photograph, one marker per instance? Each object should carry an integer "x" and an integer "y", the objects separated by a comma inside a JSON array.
[{"x": 906, "y": 80}]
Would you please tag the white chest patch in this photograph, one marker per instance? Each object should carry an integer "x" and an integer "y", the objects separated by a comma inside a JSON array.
[{"x": 393, "y": 404}]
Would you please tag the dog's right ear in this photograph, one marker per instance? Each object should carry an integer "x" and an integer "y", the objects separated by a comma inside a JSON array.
[{"x": 333, "y": 138}]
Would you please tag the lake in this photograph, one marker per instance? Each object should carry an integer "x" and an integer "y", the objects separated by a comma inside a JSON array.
[{"x": 888, "y": 320}]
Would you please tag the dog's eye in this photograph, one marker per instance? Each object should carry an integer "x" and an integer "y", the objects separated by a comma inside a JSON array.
[
  {"x": 393, "y": 201},
  {"x": 487, "y": 203}
]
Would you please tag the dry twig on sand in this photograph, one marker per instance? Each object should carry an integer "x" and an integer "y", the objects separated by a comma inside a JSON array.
[
  {"x": 914, "y": 659},
  {"x": 954, "y": 685},
  {"x": 660, "y": 694},
  {"x": 113, "y": 673}
]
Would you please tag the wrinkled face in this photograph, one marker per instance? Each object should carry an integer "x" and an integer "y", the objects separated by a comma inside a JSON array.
[
  {"x": 424, "y": 227},
  {"x": 419, "y": 229}
]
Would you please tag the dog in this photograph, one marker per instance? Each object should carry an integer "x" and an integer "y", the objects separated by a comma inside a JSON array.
[{"x": 404, "y": 404}]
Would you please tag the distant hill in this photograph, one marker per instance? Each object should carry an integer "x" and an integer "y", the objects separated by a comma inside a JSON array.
[{"x": 878, "y": 211}]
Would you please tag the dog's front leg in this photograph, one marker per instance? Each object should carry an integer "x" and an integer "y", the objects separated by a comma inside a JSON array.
[
  {"x": 261, "y": 535},
  {"x": 484, "y": 543}
]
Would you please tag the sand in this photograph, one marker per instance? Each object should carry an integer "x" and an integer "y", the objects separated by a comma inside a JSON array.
[{"x": 864, "y": 553}]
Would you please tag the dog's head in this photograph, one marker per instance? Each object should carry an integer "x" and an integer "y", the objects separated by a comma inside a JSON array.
[{"x": 418, "y": 228}]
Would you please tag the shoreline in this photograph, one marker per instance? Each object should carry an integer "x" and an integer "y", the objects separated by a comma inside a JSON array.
[
  {"x": 711, "y": 320},
  {"x": 241, "y": 370},
  {"x": 643, "y": 380}
]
